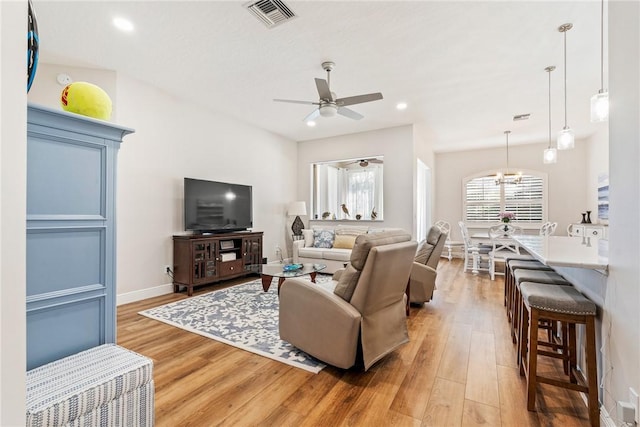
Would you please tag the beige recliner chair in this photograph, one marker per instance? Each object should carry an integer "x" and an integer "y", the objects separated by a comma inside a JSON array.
[
  {"x": 366, "y": 308},
  {"x": 423, "y": 272}
]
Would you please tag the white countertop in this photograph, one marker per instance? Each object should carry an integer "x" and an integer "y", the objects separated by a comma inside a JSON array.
[{"x": 562, "y": 251}]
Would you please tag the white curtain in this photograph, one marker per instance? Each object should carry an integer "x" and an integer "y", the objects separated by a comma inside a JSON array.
[{"x": 363, "y": 191}]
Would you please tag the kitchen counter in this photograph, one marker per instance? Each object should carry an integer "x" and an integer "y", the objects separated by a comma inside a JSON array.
[{"x": 561, "y": 251}]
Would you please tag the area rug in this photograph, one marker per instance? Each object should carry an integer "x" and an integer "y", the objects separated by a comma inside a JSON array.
[{"x": 243, "y": 316}]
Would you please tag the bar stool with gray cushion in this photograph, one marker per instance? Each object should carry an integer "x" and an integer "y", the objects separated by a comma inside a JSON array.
[
  {"x": 513, "y": 264},
  {"x": 507, "y": 273},
  {"x": 523, "y": 275},
  {"x": 562, "y": 304}
]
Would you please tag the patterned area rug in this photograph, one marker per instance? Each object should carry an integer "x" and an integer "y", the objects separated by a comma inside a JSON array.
[{"x": 243, "y": 316}]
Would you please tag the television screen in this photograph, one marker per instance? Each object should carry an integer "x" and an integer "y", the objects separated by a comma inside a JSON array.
[{"x": 211, "y": 206}]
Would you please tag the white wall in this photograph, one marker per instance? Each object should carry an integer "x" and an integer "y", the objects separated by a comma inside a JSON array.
[
  {"x": 597, "y": 164},
  {"x": 13, "y": 158},
  {"x": 423, "y": 150},
  {"x": 395, "y": 144},
  {"x": 173, "y": 140},
  {"x": 567, "y": 191},
  {"x": 622, "y": 351}
]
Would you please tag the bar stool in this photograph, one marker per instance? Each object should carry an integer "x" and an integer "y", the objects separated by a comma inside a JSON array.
[
  {"x": 512, "y": 264},
  {"x": 507, "y": 273},
  {"x": 564, "y": 304},
  {"x": 544, "y": 276}
]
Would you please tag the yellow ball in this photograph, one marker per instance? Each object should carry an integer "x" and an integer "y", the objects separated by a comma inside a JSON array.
[{"x": 86, "y": 99}]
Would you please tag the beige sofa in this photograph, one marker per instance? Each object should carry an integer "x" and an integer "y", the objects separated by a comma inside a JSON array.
[
  {"x": 333, "y": 257},
  {"x": 365, "y": 311}
]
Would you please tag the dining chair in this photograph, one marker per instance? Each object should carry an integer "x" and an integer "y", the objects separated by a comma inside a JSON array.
[
  {"x": 548, "y": 228},
  {"x": 476, "y": 256},
  {"x": 502, "y": 245}
]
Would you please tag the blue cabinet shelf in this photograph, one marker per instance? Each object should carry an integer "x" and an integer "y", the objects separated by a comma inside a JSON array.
[{"x": 71, "y": 259}]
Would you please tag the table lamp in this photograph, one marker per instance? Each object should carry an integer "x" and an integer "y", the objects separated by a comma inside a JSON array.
[{"x": 297, "y": 209}]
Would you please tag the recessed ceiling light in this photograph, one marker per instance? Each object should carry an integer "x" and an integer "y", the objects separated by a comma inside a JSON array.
[
  {"x": 123, "y": 24},
  {"x": 401, "y": 106},
  {"x": 311, "y": 123}
]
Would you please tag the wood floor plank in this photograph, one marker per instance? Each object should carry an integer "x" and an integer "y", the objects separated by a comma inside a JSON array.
[
  {"x": 513, "y": 397},
  {"x": 479, "y": 414},
  {"x": 269, "y": 399},
  {"x": 413, "y": 395},
  {"x": 334, "y": 407},
  {"x": 446, "y": 404},
  {"x": 455, "y": 358},
  {"x": 374, "y": 402},
  {"x": 482, "y": 376},
  {"x": 229, "y": 394},
  {"x": 202, "y": 382}
]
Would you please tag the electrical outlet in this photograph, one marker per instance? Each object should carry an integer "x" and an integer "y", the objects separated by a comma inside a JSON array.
[
  {"x": 167, "y": 269},
  {"x": 634, "y": 399}
]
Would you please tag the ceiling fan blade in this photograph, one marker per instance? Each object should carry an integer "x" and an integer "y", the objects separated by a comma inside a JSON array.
[
  {"x": 349, "y": 113},
  {"x": 312, "y": 115},
  {"x": 358, "y": 99},
  {"x": 323, "y": 89},
  {"x": 297, "y": 102}
]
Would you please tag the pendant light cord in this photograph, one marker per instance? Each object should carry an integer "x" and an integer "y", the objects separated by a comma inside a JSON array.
[
  {"x": 507, "y": 133},
  {"x": 601, "y": 45},
  {"x": 549, "y": 70},
  {"x": 565, "y": 78}
]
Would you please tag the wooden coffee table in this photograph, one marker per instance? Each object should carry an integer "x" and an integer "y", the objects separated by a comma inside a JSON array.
[{"x": 269, "y": 271}]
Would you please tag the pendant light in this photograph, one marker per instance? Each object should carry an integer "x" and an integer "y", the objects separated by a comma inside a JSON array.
[
  {"x": 550, "y": 154},
  {"x": 600, "y": 101},
  {"x": 566, "y": 137},
  {"x": 508, "y": 177}
]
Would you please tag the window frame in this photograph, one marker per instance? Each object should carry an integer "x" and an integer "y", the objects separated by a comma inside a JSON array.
[{"x": 524, "y": 224}]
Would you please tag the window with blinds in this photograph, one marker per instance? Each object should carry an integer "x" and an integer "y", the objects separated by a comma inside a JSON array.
[{"x": 484, "y": 199}]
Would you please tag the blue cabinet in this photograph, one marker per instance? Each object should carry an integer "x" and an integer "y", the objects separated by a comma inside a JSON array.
[{"x": 71, "y": 252}]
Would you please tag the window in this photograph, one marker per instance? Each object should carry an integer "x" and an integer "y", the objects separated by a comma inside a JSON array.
[
  {"x": 484, "y": 200},
  {"x": 363, "y": 190}
]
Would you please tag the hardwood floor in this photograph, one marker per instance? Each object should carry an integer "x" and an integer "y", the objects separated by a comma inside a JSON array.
[{"x": 458, "y": 369}]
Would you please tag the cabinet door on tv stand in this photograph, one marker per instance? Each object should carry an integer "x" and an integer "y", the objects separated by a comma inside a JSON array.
[
  {"x": 205, "y": 261},
  {"x": 252, "y": 250}
]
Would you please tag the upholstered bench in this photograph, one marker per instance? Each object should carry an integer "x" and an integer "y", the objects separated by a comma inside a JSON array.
[{"x": 104, "y": 386}]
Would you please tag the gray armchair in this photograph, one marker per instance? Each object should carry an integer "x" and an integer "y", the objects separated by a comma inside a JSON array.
[
  {"x": 366, "y": 308},
  {"x": 423, "y": 272}
]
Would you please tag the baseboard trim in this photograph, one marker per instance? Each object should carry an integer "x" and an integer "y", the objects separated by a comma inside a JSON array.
[
  {"x": 605, "y": 418},
  {"x": 134, "y": 296}
]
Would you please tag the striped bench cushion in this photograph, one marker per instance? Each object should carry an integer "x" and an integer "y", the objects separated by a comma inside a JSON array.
[{"x": 71, "y": 388}]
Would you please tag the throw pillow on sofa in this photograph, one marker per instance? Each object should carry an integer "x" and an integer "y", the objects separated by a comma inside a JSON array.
[
  {"x": 344, "y": 241},
  {"x": 308, "y": 238},
  {"x": 323, "y": 238}
]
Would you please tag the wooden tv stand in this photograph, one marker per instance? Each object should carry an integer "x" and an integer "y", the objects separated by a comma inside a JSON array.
[{"x": 200, "y": 259}]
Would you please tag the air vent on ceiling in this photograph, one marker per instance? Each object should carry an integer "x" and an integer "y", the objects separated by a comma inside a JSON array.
[
  {"x": 270, "y": 12},
  {"x": 521, "y": 117}
]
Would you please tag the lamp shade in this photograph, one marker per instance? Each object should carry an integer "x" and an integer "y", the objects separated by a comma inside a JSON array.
[
  {"x": 550, "y": 156},
  {"x": 566, "y": 139},
  {"x": 297, "y": 208},
  {"x": 600, "y": 107}
]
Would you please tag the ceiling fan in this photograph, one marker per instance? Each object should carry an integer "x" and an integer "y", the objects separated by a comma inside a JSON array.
[
  {"x": 328, "y": 104},
  {"x": 365, "y": 162}
]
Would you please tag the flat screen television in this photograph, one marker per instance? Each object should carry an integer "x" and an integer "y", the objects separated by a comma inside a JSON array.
[{"x": 216, "y": 207}]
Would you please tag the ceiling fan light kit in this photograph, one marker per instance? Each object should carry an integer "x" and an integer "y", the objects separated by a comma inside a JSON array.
[{"x": 329, "y": 105}]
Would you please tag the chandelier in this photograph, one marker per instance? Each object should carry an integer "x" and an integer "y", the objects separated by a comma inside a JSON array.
[{"x": 508, "y": 177}]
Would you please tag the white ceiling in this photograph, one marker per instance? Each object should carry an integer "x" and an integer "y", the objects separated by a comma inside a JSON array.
[{"x": 464, "y": 68}]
